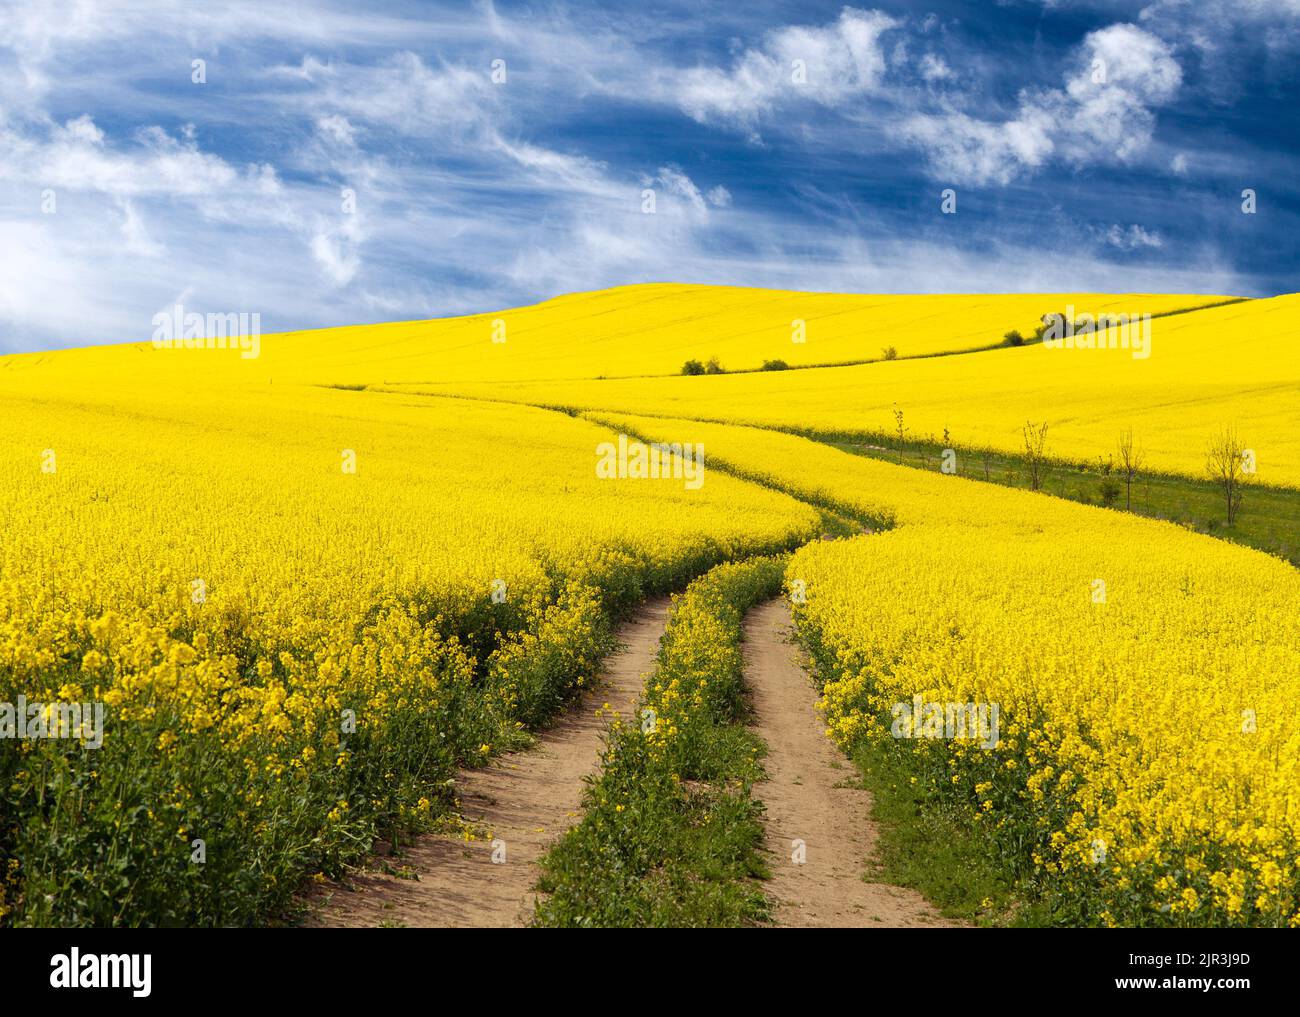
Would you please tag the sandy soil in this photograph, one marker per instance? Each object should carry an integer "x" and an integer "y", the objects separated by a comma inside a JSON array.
[{"x": 807, "y": 801}]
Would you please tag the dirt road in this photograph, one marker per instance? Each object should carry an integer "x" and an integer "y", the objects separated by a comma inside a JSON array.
[
  {"x": 809, "y": 800},
  {"x": 525, "y": 800}
]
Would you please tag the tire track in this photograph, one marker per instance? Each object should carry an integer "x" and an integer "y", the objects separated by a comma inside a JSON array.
[
  {"x": 525, "y": 799},
  {"x": 811, "y": 796}
]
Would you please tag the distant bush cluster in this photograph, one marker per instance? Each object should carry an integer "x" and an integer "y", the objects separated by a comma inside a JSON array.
[{"x": 695, "y": 367}]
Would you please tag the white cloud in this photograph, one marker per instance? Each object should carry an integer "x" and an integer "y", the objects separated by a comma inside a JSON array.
[
  {"x": 964, "y": 150},
  {"x": 335, "y": 251},
  {"x": 550, "y": 171},
  {"x": 1207, "y": 24},
  {"x": 337, "y": 129},
  {"x": 75, "y": 156},
  {"x": 1126, "y": 58},
  {"x": 401, "y": 92},
  {"x": 828, "y": 65},
  {"x": 135, "y": 235},
  {"x": 1103, "y": 114},
  {"x": 1102, "y": 111},
  {"x": 676, "y": 183},
  {"x": 607, "y": 251},
  {"x": 934, "y": 68},
  {"x": 1125, "y": 72},
  {"x": 1133, "y": 237}
]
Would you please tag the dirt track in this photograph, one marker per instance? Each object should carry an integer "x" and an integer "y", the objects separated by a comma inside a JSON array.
[
  {"x": 525, "y": 799},
  {"x": 806, "y": 800}
]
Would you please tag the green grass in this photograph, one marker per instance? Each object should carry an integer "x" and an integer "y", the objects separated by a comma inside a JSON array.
[
  {"x": 926, "y": 845},
  {"x": 1269, "y": 519},
  {"x": 671, "y": 835}
]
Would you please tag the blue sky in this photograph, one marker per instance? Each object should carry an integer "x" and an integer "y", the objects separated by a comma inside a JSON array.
[{"x": 1091, "y": 145}]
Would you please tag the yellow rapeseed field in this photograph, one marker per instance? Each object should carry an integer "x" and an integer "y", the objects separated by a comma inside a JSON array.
[
  {"x": 1145, "y": 677},
  {"x": 301, "y": 607},
  {"x": 1231, "y": 366},
  {"x": 308, "y": 585},
  {"x": 629, "y": 331}
]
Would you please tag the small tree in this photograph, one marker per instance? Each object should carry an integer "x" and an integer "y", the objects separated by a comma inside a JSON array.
[
  {"x": 1131, "y": 457},
  {"x": 1049, "y": 321},
  {"x": 692, "y": 367},
  {"x": 1225, "y": 462},
  {"x": 889, "y": 352},
  {"x": 714, "y": 366},
  {"x": 775, "y": 365},
  {"x": 1013, "y": 338},
  {"x": 901, "y": 431},
  {"x": 1035, "y": 452}
]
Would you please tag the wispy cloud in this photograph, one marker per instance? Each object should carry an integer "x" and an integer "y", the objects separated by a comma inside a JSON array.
[
  {"x": 1104, "y": 113},
  {"x": 338, "y": 166},
  {"x": 826, "y": 64},
  {"x": 1132, "y": 238}
]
